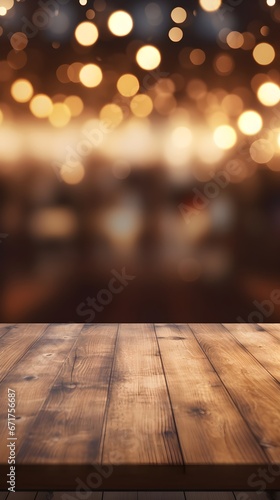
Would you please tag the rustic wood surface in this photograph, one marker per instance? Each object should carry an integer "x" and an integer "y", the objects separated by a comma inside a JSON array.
[{"x": 144, "y": 399}]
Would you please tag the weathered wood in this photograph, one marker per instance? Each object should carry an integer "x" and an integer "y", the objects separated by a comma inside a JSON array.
[
  {"x": 255, "y": 392},
  {"x": 73, "y": 414},
  {"x": 32, "y": 378},
  {"x": 210, "y": 427},
  {"x": 139, "y": 424},
  {"x": 264, "y": 347}
]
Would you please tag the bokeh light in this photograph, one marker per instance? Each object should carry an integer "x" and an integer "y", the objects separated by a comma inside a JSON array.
[
  {"x": 128, "y": 85},
  {"x": 250, "y": 122},
  {"x": 86, "y": 33},
  {"x": 112, "y": 115},
  {"x": 210, "y": 5},
  {"x": 225, "y": 137},
  {"x": 22, "y": 90},
  {"x": 60, "y": 115},
  {"x": 175, "y": 34},
  {"x": 120, "y": 23},
  {"x": 148, "y": 57},
  {"x": 178, "y": 15},
  {"x": 261, "y": 151},
  {"x": 141, "y": 105},
  {"x": 269, "y": 94},
  {"x": 181, "y": 137},
  {"x": 41, "y": 106},
  {"x": 90, "y": 75},
  {"x": 264, "y": 54},
  {"x": 74, "y": 104}
]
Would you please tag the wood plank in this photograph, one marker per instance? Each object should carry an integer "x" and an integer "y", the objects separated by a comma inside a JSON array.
[
  {"x": 211, "y": 495},
  {"x": 253, "y": 389},
  {"x": 33, "y": 376},
  {"x": 272, "y": 328},
  {"x": 139, "y": 425},
  {"x": 161, "y": 495},
  {"x": 17, "y": 343},
  {"x": 263, "y": 346},
  {"x": 72, "y": 416},
  {"x": 6, "y": 327},
  {"x": 22, "y": 495},
  {"x": 68, "y": 495},
  {"x": 211, "y": 429},
  {"x": 120, "y": 495},
  {"x": 251, "y": 495},
  {"x": 4, "y": 495}
]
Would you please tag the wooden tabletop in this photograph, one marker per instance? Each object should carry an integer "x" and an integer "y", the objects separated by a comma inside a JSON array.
[{"x": 142, "y": 406}]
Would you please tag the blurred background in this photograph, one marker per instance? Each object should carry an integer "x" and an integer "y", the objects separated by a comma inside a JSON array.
[{"x": 145, "y": 136}]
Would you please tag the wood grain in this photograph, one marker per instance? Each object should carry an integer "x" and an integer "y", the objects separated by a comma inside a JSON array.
[
  {"x": 33, "y": 376},
  {"x": 210, "y": 427},
  {"x": 272, "y": 328},
  {"x": 74, "y": 435},
  {"x": 255, "y": 392},
  {"x": 264, "y": 347},
  {"x": 212, "y": 495},
  {"x": 15, "y": 343},
  {"x": 139, "y": 425}
]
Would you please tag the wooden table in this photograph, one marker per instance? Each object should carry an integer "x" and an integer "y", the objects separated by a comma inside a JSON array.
[{"x": 142, "y": 406}]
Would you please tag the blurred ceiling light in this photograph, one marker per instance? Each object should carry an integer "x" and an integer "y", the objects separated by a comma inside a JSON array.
[
  {"x": 3, "y": 11},
  {"x": 250, "y": 122},
  {"x": 86, "y": 33},
  {"x": 197, "y": 57},
  {"x": 235, "y": 40},
  {"x": 270, "y": 3},
  {"x": 210, "y": 5},
  {"x": 112, "y": 115},
  {"x": 60, "y": 115},
  {"x": 128, "y": 85},
  {"x": 53, "y": 223},
  {"x": 73, "y": 175},
  {"x": 181, "y": 137},
  {"x": 269, "y": 94},
  {"x": 148, "y": 57},
  {"x": 225, "y": 137},
  {"x": 75, "y": 105},
  {"x": 232, "y": 104},
  {"x": 175, "y": 34},
  {"x": 90, "y": 14},
  {"x": 261, "y": 151},
  {"x": 179, "y": 15},
  {"x": 41, "y": 106},
  {"x": 19, "y": 41},
  {"x": 224, "y": 64},
  {"x": 122, "y": 224},
  {"x": 141, "y": 105},
  {"x": 22, "y": 90},
  {"x": 6, "y": 4},
  {"x": 120, "y": 23},
  {"x": 264, "y": 54},
  {"x": 90, "y": 75},
  {"x": 208, "y": 151}
]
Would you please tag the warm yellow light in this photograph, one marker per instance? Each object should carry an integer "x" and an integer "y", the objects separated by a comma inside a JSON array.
[
  {"x": 72, "y": 175},
  {"x": 41, "y": 106},
  {"x": 148, "y": 57},
  {"x": 210, "y": 5},
  {"x": 141, "y": 105},
  {"x": 90, "y": 75},
  {"x": 225, "y": 137},
  {"x": 1, "y": 117},
  {"x": 224, "y": 64},
  {"x": 6, "y": 4},
  {"x": 120, "y": 23},
  {"x": 60, "y": 115},
  {"x": 86, "y": 33},
  {"x": 19, "y": 41},
  {"x": 112, "y": 115},
  {"x": 270, "y": 3},
  {"x": 175, "y": 34},
  {"x": 178, "y": 15},
  {"x": 232, "y": 104},
  {"x": 261, "y": 151},
  {"x": 264, "y": 54},
  {"x": 197, "y": 57},
  {"x": 181, "y": 137},
  {"x": 22, "y": 90},
  {"x": 269, "y": 94},
  {"x": 128, "y": 85},
  {"x": 235, "y": 40},
  {"x": 3, "y": 11},
  {"x": 250, "y": 122},
  {"x": 75, "y": 105}
]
